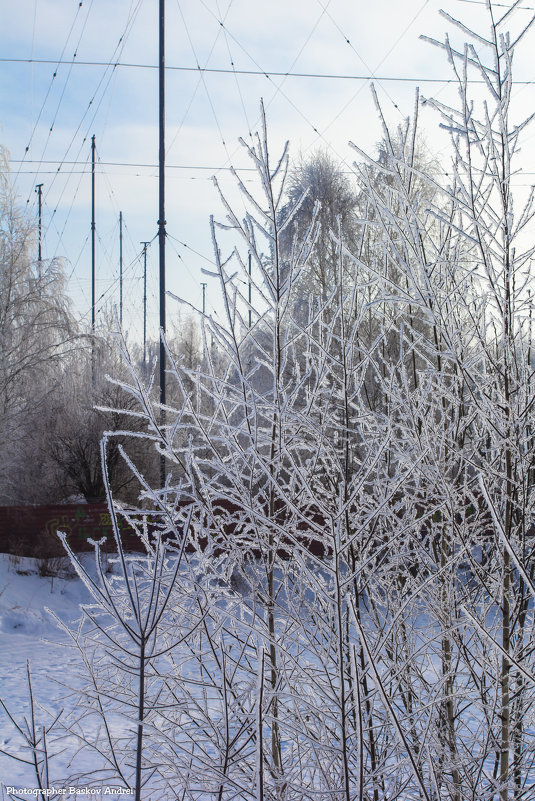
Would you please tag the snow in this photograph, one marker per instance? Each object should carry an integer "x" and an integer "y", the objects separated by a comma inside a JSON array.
[
  {"x": 28, "y": 633},
  {"x": 62, "y": 683}
]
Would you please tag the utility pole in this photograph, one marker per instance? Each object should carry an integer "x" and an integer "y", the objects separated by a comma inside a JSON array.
[
  {"x": 93, "y": 300},
  {"x": 121, "y": 270},
  {"x": 39, "y": 190},
  {"x": 145, "y": 245},
  {"x": 161, "y": 220}
]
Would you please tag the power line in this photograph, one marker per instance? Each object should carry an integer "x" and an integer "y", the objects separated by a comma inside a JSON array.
[
  {"x": 499, "y": 5},
  {"x": 258, "y": 72},
  {"x": 201, "y": 77},
  {"x": 212, "y": 170},
  {"x": 236, "y": 76},
  {"x": 185, "y": 245},
  {"x": 71, "y": 64},
  {"x": 201, "y": 73},
  {"x": 376, "y": 78},
  {"x": 303, "y": 46},
  {"x": 73, "y": 200},
  {"x": 222, "y": 27},
  {"x": 111, "y": 286},
  {"x": 352, "y": 46},
  {"x": 134, "y": 164},
  {"x": 202, "y": 167},
  {"x": 54, "y": 74},
  {"x": 109, "y": 64}
]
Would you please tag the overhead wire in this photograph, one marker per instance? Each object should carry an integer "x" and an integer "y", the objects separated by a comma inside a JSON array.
[
  {"x": 57, "y": 62},
  {"x": 302, "y": 48},
  {"x": 75, "y": 264},
  {"x": 111, "y": 193},
  {"x": 199, "y": 70},
  {"x": 236, "y": 79},
  {"x": 111, "y": 287},
  {"x": 134, "y": 309},
  {"x": 179, "y": 256},
  {"x": 264, "y": 73},
  {"x": 197, "y": 253},
  {"x": 33, "y": 50},
  {"x": 105, "y": 255},
  {"x": 210, "y": 261},
  {"x": 376, "y": 79},
  {"x": 278, "y": 87},
  {"x": 65, "y": 83},
  {"x": 314, "y": 127},
  {"x": 261, "y": 71},
  {"x": 128, "y": 235},
  {"x": 208, "y": 168},
  {"x": 132, "y": 14},
  {"x": 498, "y": 5},
  {"x": 208, "y": 96},
  {"x": 363, "y": 62},
  {"x": 74, "y": 197},
  {"x": 120, "y": 45}
]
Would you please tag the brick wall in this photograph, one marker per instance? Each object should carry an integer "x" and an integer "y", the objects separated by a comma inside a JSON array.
[{"x": 31, "y": 530}]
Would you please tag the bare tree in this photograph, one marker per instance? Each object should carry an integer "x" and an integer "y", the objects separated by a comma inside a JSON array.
[{"x": 347, "y": 604}]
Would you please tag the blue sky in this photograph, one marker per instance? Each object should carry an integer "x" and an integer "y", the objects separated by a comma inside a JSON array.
[{"x": 205, "y": 113}]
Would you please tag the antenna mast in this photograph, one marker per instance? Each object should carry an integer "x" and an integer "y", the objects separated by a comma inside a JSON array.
[
  {"x": 121, "y": 270},
  {"x": 145, "y": 244},
  {"x": 39, "y": 190},
  {"x": 93, "y": 260},
  {"x": 161, "y": 220}
]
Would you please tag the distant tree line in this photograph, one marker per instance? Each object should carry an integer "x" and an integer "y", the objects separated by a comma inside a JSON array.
[{"x": 53, "y": 372}]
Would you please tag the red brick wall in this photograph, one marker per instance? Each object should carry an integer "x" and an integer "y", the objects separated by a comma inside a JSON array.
[{"x": 31, "y": 530}]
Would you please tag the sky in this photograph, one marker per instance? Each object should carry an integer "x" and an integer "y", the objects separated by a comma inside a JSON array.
[{"x": 70, "y": 70}]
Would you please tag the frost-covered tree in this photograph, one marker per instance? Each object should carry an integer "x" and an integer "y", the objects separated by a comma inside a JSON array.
[
  {"x": 319, "y": 191},
  {"x": 346, "y": 581},
  {"x": 486, "y": 146},
  {"x": 285, "y": 469},
  {"x": 36, "y": 332},
  {"x": 464, "y": 262}
]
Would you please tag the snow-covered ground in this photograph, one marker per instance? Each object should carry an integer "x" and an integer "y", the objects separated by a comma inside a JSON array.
[
  {"x": 29, "y": 635},
  {"x": 203, "y": 688},
  {"x": 61, "y": 684}
]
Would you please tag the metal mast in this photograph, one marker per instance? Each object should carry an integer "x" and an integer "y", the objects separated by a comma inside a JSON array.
[
  {"x": 121, "y": 270},
  {"x": 93, "y": 300},
  {"x": 39, "y": 190},
  {"x": 93, "y": 234},
  {"x": 145, "y": 244},
  {"x": 161, "y": 220}
]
